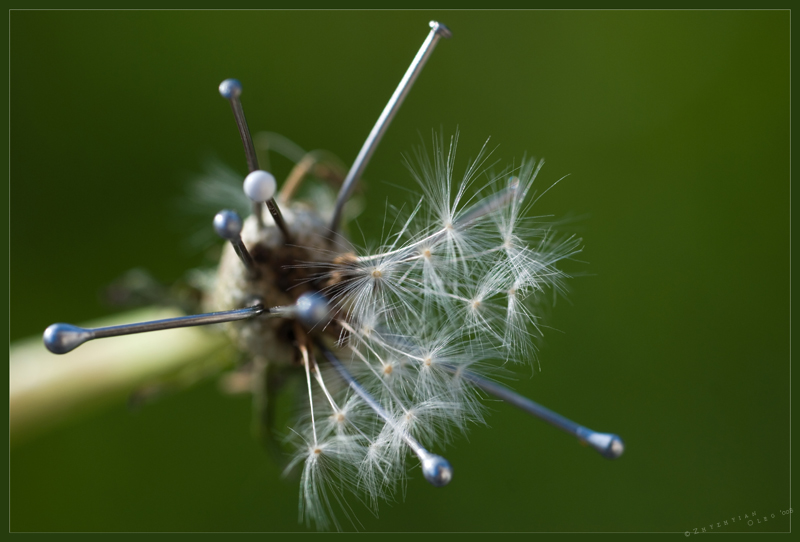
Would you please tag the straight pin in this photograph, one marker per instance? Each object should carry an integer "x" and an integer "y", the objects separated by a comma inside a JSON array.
[
  {"x": 435, "y": 468},
  {"x": 438, "y": 30},
  {"x": 608, "y": 445},
  {"x": 231, "y": 90},
  {"x": 63, "y": 338},
  {"x": 228, "y": 225}
]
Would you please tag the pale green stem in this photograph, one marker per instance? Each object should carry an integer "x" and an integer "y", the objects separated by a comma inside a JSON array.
[{"x": 46, "y": 389}]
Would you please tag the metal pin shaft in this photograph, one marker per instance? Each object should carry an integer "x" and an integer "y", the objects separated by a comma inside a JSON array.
[
  {"x": 244, "y": 256},
  {"x": 228, "y": 225},
  {"x": 247, "y": 142},
  {"x": 435, "y": 468},
  {"x": 231, "y": 89},
  {"x": 63, "y": 338},
  {"x": 438, "y": 30},
  {"x": 608, "y": 445}
]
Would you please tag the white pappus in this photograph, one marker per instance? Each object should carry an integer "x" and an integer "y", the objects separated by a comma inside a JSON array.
[{"x": 396, "y": 345}]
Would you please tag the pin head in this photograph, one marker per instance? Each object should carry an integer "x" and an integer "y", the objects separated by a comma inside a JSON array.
[
  {"x": 228, "y": 225},
  {"x": 260, "y": 185},
  {"x": 63, "y": 338},
  {"x": 615, "y": 448},
  {"x": 313, "y": 310},
  {"x": 440, "y": 29},
  {"x": 609, "y": 445},
  {"x": 437, "y": 470},
  {"x": 230, "y": 88}
]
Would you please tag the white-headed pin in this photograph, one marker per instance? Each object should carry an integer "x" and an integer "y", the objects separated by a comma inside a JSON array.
[{"x": 231, "y": 90}]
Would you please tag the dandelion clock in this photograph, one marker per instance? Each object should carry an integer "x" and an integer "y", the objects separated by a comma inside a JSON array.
[{"x": 397, "y": 340}]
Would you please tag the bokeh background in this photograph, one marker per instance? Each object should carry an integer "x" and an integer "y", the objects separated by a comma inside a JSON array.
[{"x": 673, "y": 128}]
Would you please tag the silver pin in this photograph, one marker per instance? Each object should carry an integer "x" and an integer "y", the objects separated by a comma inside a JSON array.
[
  {"x": 313, "y": 310},
  {"x": 228, "y": 225},
  {"x": 608, "y": 445},
  {"x": 63, "y": 338},
  {"x": 435, "y": 468},
  {"x": 438, "y": 30},
  {"x": 231, "y": 90}
]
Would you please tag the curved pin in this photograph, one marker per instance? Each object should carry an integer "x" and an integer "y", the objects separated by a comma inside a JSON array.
[
  {"x": 63, "y": 338},
  {"x": 438, "y": 30},
  {"x": 435, "y": 468},
  {"x": 608, "y": 445},
  {"x": 228, "y": 225},
  {"x": 231, "y": 90}
]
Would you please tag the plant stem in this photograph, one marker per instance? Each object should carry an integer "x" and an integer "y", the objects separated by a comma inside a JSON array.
[{"x": 46, "y": 390}]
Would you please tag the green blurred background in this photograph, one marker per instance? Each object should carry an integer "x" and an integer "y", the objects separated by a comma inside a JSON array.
[{"x": 674, "y": 130}]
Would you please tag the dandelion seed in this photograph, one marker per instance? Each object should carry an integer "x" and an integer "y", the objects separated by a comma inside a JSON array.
[{"x": 396, "y": 346}]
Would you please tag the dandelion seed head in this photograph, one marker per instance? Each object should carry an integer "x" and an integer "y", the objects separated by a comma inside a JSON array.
[
  {"x": 389, "y": 340},
  {"x": 411, "y": 327}
]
